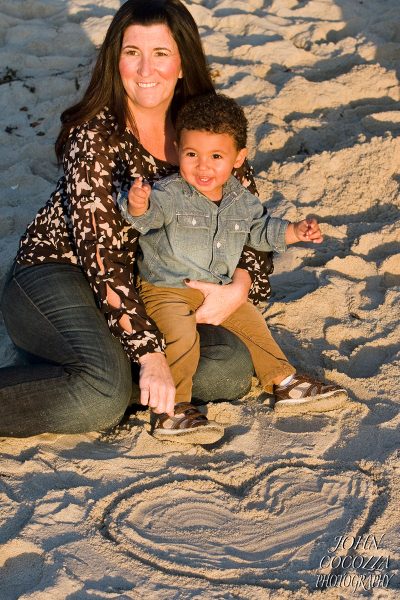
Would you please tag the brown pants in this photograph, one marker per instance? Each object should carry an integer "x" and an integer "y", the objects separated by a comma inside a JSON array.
[{"x": 173, "y": 311}]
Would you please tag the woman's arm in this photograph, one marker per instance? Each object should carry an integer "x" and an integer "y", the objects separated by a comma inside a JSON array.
[
  {"x": 106, "y": 248},
  {"x": 220, "y": 301},
  {"x": 258, "y": 264}
]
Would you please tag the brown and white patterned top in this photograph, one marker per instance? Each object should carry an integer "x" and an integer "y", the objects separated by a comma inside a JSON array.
[{"x": 81, "y": 222}]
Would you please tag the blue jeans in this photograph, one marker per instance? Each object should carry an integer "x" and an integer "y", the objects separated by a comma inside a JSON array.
[{"x": 80, "y": 378}]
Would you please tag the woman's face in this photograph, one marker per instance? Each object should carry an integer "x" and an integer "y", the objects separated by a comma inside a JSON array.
[{"x": 149, "y": 66}]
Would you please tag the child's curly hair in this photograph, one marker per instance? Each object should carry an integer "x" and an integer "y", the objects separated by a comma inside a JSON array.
[{"x": 215, "y": 113}]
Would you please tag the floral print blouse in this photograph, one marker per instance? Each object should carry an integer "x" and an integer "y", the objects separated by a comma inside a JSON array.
[{"x": 81, "y": 225}]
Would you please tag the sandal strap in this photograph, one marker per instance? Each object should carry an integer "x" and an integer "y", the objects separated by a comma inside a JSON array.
[
  {"x": 186, "y": 416},
  {"x": 313, "y": 387}
]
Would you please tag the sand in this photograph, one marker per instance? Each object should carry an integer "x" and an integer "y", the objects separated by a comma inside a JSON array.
[{"x": 121, "y": 515}]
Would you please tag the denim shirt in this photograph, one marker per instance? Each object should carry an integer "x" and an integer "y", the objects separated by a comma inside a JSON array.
[{"x": 183, "y": 234}]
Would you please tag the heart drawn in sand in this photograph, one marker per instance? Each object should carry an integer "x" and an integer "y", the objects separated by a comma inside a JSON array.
[{"x": 272, "y": 527}]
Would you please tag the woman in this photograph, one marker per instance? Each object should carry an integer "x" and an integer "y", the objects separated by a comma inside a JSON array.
[
  {"x": 72, "y": 281},
  {"x": 71, "y": 286}
]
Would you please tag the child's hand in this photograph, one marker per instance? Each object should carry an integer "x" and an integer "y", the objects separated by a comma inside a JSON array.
[
  {"x": 304, "y": 231},
  {"x": 138, "y": 197}
]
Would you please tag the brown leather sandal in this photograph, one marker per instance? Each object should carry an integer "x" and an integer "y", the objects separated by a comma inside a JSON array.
[
  {"x": 305, "y": 394},
  {"x": 187, "y": 426}
]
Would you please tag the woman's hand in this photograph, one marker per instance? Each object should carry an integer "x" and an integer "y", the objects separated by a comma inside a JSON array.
[
  {"x": 220, "y": 301},
  {"x": 157, "y": 389}
]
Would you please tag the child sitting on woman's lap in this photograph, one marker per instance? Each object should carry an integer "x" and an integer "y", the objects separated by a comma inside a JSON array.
[{"x": 194, "y": 225}]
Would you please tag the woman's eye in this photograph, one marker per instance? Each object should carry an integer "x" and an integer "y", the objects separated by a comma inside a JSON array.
[
  {"x": 161, "y": 53},
  {"x": 191, "y": 154}
]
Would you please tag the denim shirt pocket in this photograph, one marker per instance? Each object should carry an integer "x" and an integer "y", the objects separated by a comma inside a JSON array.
[
  {"x": 237, "y": 231},
  {"x": 192, "y": 232}
]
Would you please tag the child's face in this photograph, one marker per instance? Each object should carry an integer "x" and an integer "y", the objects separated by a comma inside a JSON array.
[{"x": 206, "y": 160}]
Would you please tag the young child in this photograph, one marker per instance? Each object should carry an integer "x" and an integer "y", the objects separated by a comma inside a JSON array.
[{"x": 194, "y": 226}]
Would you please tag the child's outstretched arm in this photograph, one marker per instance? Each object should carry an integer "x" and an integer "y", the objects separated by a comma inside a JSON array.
[
  {"x": 303, "y": 231},
  {"x": 138, "y": 197}
]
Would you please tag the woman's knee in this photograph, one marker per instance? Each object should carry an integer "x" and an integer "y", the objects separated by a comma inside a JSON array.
[
  {"x": 225, "y": 368},
  {"x": 103, "y": 395},
  {"x": 97, "y": 405}
]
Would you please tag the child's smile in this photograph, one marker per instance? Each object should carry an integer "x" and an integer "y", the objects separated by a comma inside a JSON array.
[{"x": 207, "y": 159}]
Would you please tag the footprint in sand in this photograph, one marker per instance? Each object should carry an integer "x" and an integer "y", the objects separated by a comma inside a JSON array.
[
  {"x": 13, "y": 516},
  {"x": 21, "y": 567}
]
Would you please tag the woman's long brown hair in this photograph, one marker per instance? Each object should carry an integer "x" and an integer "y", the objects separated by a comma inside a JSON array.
[{"x": 105, "y": 88}]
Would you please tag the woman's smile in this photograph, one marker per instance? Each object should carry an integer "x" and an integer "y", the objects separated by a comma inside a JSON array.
[
  {"x": 150, "y": 66},
  {"x": 146, "y": 85}
]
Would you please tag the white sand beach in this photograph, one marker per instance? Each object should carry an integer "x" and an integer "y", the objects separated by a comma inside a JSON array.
[{"x": 257, "y": 515}]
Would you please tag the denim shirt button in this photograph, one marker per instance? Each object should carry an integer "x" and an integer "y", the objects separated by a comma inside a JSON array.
[{"x": 219, "y": 244}]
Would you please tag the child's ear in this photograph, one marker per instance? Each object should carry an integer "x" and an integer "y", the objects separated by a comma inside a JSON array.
[{"x": 240, "y": 158}]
